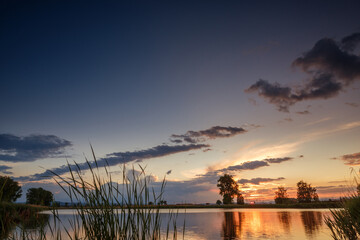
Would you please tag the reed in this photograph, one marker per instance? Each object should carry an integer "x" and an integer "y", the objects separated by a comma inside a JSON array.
[
  {"x": 111, "y": 210},
  {"x": 105, "y": 210},
  {"x": 345, "y": 223}
]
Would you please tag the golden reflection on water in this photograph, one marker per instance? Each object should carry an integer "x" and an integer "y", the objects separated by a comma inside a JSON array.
[
  {"x": 258, "y": 224},
  {"x": 248, "y": 224}
]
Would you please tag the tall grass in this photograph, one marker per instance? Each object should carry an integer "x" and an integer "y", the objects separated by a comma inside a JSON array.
[
  {"x": 109, "y": 210},
  {"x": 345, "y": 223}
]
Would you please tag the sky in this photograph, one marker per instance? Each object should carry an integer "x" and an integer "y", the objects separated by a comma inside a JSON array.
[{"x": 267, "y": 91}]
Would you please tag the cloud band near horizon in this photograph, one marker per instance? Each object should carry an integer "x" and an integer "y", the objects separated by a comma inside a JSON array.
[{"x": 116, "y": 158}]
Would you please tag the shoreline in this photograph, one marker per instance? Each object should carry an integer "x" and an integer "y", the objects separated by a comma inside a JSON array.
[{"x": 327, "y": 205}]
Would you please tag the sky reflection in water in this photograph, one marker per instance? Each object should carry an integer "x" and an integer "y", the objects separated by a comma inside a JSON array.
[{"x": 247, "y": 223}]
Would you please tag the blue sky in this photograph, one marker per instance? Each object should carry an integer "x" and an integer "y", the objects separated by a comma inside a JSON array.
[{"x": 128, "y": 76}]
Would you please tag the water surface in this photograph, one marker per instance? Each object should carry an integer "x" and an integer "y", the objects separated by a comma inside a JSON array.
[{"x": 208, "y": 224}]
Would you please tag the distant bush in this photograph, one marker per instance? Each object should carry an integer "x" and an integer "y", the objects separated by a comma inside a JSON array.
[{"x": 39, "y": 196}]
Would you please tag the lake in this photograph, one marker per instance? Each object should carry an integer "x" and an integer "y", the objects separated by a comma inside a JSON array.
[{"x": 218, "y": 223}]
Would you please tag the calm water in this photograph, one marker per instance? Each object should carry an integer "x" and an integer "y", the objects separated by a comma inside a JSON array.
[{"x": 210, "y": 224}]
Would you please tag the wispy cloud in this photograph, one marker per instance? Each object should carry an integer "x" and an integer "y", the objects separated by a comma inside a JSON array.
[
  {"x": 116, "y": 158},
  {"x": 257, "y": 181},
  {"x": 350, "y": 159},
  {"x": 250, "y": 165},
  {"x": 210, "y": 133},
  {"x": 352, "y": 104},
  {"x": 332, "y": 66},
  {"x": 326, "y": 131},
  {"x": 329, "y": 191},
  {"x": 318, "y": 121},
  {"x": 303, "y": 112},
  {"x": 192, "y": 138},
  {"x": 30, "y": 148}
]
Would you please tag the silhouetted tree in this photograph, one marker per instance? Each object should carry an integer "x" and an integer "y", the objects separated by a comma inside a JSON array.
[
  {"x": 218, "y": 202},
  {"x": 281, "y": 195},
  {"x": 358, "y": 189},
  {"x": 9, "y": 189},
  {"x": 39, "y": 196},
  {"x": 228, "y": 188},
  {"x": 240, "y": 199},
  {"x": 306, "y": 193}
]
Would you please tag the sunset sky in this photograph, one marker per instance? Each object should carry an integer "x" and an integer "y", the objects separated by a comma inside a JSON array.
[{"x": 267, "y": 91}]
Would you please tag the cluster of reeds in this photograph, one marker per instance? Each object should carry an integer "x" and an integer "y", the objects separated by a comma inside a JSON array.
[
  {"x": 109, "y": 210},
  {"x": 20, "y": 221},
  {"x": 106, "y": 210},
  {"x": 345, "y": 223}
]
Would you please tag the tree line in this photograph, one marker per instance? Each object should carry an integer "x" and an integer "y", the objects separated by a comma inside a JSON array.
[
  {"x": 229, "y": 189},
  {"x": 10, "y": 191}
]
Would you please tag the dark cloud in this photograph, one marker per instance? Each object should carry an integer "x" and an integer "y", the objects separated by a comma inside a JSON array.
[
  {"x": 31, "y": 148},
  {"x": 303, "y": 112},
  {"x": 301, "y": 156},
  {"x": 274, "y": 93},
  {"x": 352, "y": 104},
  {"x": 206, "y": 150},
  {"x": 277, "y": 160},
  {"x": 250, "y": 165},
  {"x": 288, "y": 119},
  {"x": 350, "y": 159},
  {"x": 257, "y": 181},
  {"x": 5, "y": 169},
  {"x": 349, "y": 43},
  {"x": 118, "y": 158},
  {"x": 211, "y": 133},
  {"x": 328, "y": 56},
  {"x": 331, "y": 66}
]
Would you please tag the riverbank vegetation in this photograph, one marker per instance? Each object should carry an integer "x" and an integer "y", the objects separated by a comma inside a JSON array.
[{"x": 345, "y": 223}]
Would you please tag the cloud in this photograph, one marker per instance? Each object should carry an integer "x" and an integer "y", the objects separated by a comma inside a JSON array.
[
  {"x": 318, "y": 121},
  {"x": 210, "y": 133},
  {"x": 206, "y": 183},
  {"x": 349, "y": 43},
  {"x": 30, "y": 148},
  {"x": 5, "y": 169},
  {"x": 352, "y": 104},
  {"x": 303, "y": 112},
  {"x": 250, "y": 165},
  {"x": 350, "y": 159},
  {"x": 176, "y": 140},
  {"x": 330, "y": 191},
  {"x": 274, "y": 93},
  {"x": 277, "y": 160},
  {"x": 257, "y": 181},
  {"x": 331, "y": 66},
  {"x": 118, "y": 158},
  {"x": 338, "y": 181}
]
